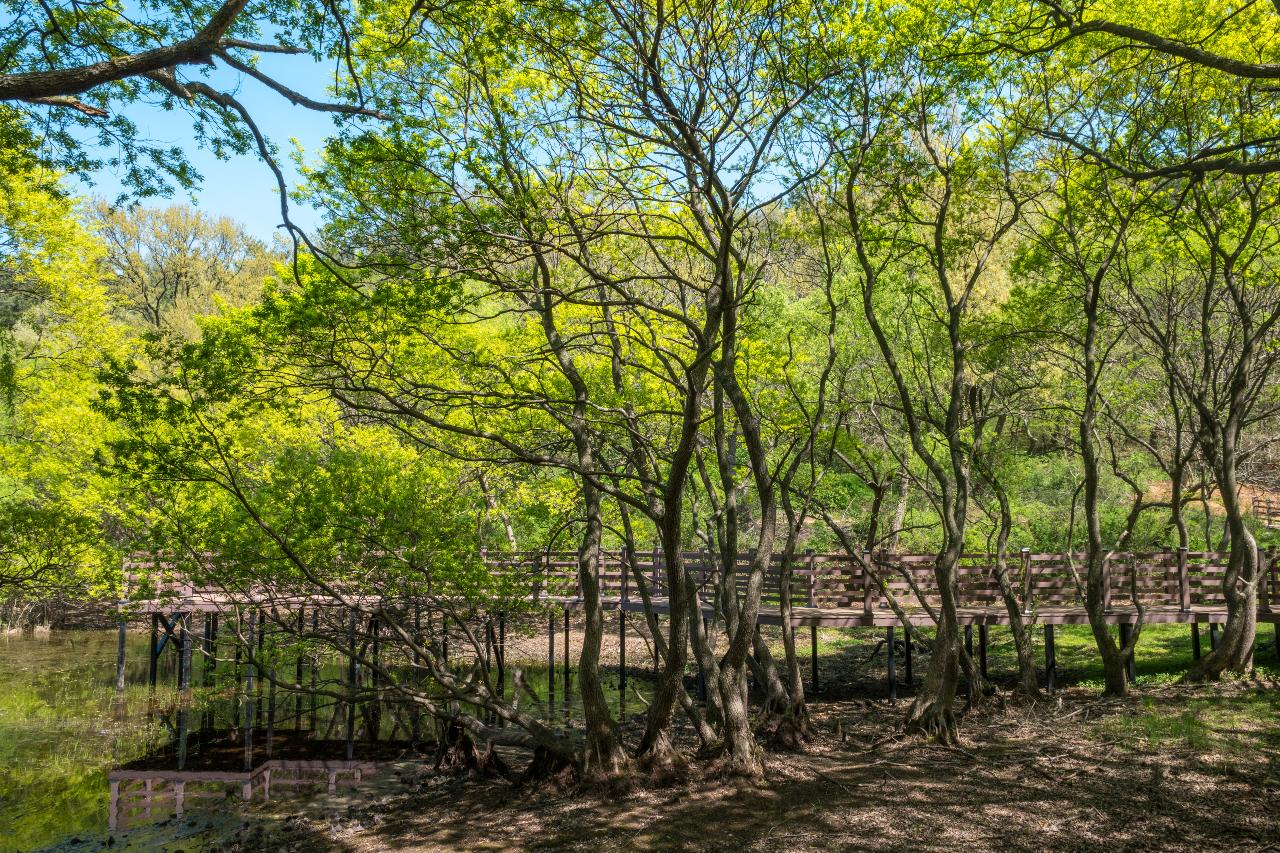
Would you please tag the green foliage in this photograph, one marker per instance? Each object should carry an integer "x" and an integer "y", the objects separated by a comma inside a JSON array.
[
  {"x": 81, "y": 125},
  {"x": 278, "y": 487},
  {"x": 62, "y": 513},
  {"x": 168, "y": 267}
]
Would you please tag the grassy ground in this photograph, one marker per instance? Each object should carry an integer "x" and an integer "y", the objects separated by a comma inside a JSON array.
[{"x": 1164, "y": 653}]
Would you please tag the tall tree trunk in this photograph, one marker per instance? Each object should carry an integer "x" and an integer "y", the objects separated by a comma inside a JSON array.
[
  {"x": 657, "y": 751},
  {"x": 603, "y": 755},
  {"x": 1240, "y": 581},
  {"x": 1021, "y": 641},
  {"x": 789, "y": 723},
  {"x": 790, "y": 726},
  {"x": 742, "y": 753},
  {"x": 603, "y": 752},
  {"x": 1113, "y": 662},
  {"x": 932, "y": 713}
]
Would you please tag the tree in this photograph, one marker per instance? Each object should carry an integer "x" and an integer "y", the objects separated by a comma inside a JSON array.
[
  {"x": 71, "y": 70},
  {"x": 62, "y": 517},
  {"x": 1209, "y": 311},
  {"x": 1221, "y": 56},
  {"x": 169, "y": 266},
  {"x": 257, "y": 486},
  {"x": 931, "y": 192},
  {"x": 1082, "y": 250}
]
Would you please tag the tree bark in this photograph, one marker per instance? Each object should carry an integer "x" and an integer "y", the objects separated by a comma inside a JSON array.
[{"x": 62, "y": 82}]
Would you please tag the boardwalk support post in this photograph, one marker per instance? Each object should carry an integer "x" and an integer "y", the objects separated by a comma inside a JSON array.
[
  {"x": 653, "y": 646},
  {"x": 500, "y": 653},
  {"x": 152, "y": 653},
  {"x": 1027, "y": 599},
  {"x": 868, "y": 585},
  {"x": 568, "y": 683},
  {"x": 351, "y": 686},
  {"x": 982, "y": 649},
  {"x": 489, "y": 642},
  {"x": 622, "y": 653},
  {"x": 315, "y": 629},
  {"x": 1106, "y": 584},
  {"x": 968, "y": 651},
  {"x": 624, "y": 565},
  {"x": 375, "y": 680},
  {"x": 249, "y": 672},
  {"x": 811, "y": 572},
  {"x": 702, "y": 673},
  {"x": 262, "y": 640},
  {"x": 813, "y": 656},
  {"x": 551, "y": 660},
  {"x": 184, "y": 653},
  {"x": 1050, "y": 660},
  {"x": 907, "y": 634},
  {"x": 207, "y": 644},
  {"x": 297, "y": 670},
  {"x": 120, "y": 655},
  {"x": 1184, "y": 582},
  {"x": 893, "y": 668}
]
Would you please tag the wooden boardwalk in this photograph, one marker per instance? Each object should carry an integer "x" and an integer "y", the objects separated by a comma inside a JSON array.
[
  {"x": 145, "y": 793},
  {"x": 827, "y": 590},
  {"x": 831, "y": 590}
]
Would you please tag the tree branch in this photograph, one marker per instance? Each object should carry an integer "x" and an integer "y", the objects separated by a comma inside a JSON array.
[
  {"x": 36, "y": 85},
  {"x": 1170, "y": 47},
  {"x": 294, "y": 97},
  {"x": 69, "y": 103}
]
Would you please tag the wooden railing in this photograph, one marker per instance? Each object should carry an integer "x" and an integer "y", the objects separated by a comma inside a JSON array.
[
  {"x": 1267, "y": 511},
  {"x": 1170, "y": 578},
  {"x": 138, "y": 795}
]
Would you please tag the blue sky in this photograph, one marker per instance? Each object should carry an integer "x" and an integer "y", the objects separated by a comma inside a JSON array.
[{"x": 242, "y": 187}]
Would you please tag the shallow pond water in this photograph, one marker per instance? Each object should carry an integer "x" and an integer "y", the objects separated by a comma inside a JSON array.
[{"x": 81, "y": 764}]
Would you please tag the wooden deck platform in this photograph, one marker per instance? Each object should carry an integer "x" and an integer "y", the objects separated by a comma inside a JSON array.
[
  {"x": 151, "y": 793},
  {"x": 1267, "y": 511}
]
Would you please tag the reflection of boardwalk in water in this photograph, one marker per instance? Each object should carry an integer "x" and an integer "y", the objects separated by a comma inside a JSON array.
[{"x": 226, "y": 767}]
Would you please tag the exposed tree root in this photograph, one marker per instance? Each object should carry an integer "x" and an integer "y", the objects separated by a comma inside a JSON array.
[
  {"x": 607, "y": 767},
  {"x": 786, "y": 732},
  {"x": 456, "y": 752},
  {"x": 933, "y": 720},
  {"x": 551, "y": 769},
  {"x": 661, "y": 762}
]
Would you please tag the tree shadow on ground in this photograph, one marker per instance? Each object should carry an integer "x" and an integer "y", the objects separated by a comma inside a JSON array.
[{"x": 1076, "y": 772}]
